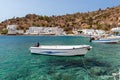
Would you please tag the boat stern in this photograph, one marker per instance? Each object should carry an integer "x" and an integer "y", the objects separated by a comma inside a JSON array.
[{"x": 89, "y": 47}]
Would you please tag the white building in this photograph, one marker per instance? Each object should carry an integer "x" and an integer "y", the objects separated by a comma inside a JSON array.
[
  {"x": 33, "y": 30},
  {"x": 45, "y": 31},
  {"x": 93, "y": 32},
  {"x": 12, "y": 29},
  {"x": 115, "y": 29},
  {"x": 20, "y": 32}
]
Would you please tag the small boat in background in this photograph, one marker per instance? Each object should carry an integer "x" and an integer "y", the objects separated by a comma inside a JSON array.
[
  {"x": 106, "y": 41},
  {"x": 61, "y": 50}
]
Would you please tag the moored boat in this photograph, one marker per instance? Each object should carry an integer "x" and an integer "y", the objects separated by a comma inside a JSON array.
[
  {"x": 106, "y": 41},
  {"x": 61, "y": 50}
]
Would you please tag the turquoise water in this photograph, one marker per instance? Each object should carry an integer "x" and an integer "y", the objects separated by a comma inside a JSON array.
[{"x": 17, "y": 63}]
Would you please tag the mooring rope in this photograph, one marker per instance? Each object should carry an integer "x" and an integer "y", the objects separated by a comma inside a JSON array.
[{"x": 85, "y": 67}]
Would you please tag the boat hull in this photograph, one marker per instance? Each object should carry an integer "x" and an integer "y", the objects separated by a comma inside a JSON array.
[
  {"x": 106, "y": 41},
  {"x": 61, "y": 51}
]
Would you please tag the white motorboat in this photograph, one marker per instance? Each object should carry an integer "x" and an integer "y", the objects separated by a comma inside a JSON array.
[
  {"x": 106, "y": 41},
  {"x": 61, "y": 50}
]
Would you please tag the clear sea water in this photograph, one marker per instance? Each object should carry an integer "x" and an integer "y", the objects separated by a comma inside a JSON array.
[{"x": 17, "y": 63}]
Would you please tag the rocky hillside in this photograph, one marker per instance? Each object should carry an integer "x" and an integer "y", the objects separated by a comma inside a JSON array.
[{"x": 100, "y": 19}]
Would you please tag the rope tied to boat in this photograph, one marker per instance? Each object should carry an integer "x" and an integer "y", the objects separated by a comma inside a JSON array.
[{"x": 85, "y": 67}]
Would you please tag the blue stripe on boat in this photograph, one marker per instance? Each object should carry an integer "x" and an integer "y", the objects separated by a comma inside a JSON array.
[{"x": 50, "y": 52}]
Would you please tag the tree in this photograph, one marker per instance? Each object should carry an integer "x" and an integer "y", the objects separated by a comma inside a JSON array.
[{"x": 4, "y": 31}]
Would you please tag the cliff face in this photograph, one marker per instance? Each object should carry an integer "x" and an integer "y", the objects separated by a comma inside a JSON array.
[{"x": 100, "y": 19}]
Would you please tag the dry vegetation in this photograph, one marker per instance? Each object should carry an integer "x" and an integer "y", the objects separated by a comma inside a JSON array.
[{"x": 100, "y": 19}]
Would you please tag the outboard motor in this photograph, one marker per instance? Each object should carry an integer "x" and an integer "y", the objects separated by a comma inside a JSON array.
[
  {"x": 37, "y": 44},
  {"x": 91, "y": 38}
]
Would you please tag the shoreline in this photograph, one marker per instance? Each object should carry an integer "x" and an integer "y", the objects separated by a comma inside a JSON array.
[{"x": 48, "y": 35}]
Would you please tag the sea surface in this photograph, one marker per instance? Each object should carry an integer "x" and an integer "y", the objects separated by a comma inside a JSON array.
[{"x": 17, "y": 63}]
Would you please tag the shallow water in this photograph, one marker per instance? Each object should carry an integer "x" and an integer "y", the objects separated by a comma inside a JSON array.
[{"x": 17, "y": 63}]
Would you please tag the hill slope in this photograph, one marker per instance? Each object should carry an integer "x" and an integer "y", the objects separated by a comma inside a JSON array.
[{"x": 101, "y": 19}]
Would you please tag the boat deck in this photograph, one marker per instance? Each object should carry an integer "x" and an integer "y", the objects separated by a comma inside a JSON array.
[{"x": 62, "y": 46}]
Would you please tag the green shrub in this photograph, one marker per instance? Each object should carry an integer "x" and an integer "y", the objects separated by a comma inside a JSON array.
[{"x": 4, "y": 31}]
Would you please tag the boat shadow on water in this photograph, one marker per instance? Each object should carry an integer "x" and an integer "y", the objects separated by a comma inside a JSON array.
[{"x": 94, "y": 66}]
